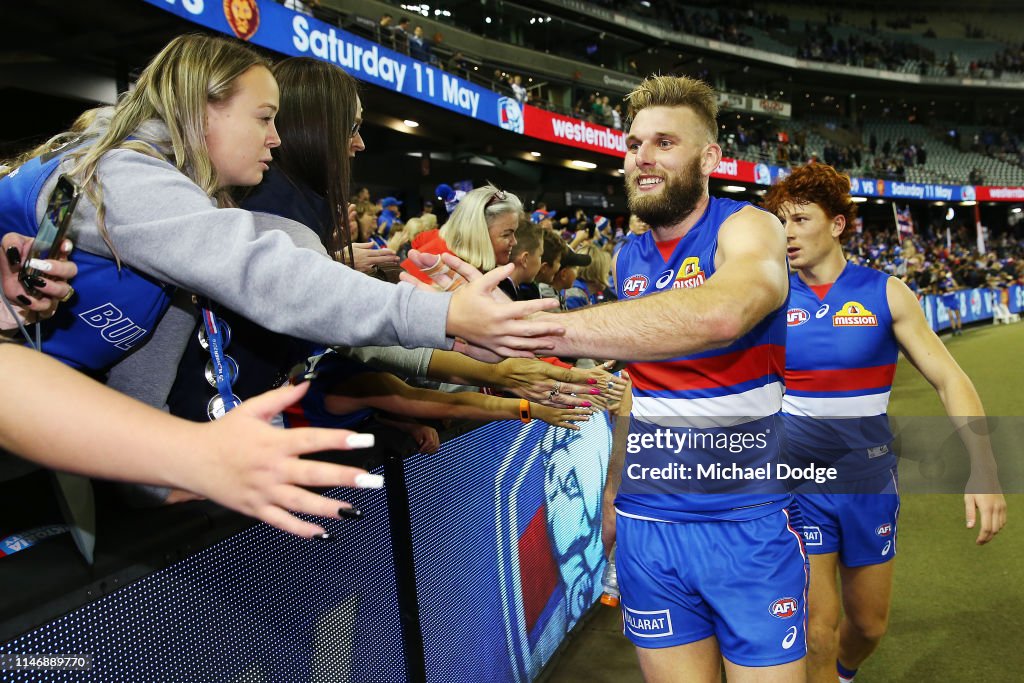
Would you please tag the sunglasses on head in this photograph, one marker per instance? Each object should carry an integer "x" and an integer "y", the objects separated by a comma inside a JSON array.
[{"x": 498, "y": 196}]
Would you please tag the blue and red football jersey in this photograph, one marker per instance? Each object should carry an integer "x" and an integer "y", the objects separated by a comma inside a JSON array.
[
  {"x": 840, "y": 360},
  {"x": 722, "y": 404}
]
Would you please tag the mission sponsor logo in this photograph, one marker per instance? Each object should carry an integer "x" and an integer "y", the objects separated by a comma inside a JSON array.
[
  {"x": 243, "y": 17},
  {"x": 635, "y": 285},
  {"x": 784, "y": 608},
  {"x": 797, "y": 316},
  {"x": 852, "y": 314},
  {"x": 690, "y": 274}
]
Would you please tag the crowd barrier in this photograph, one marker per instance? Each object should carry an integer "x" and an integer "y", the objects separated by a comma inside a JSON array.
[
  {"x": 975, "y": 305},
  {"x": 471, "y": 565}
]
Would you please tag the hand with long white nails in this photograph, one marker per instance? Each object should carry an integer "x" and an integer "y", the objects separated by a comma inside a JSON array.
[{"x": 240, "y": 461}]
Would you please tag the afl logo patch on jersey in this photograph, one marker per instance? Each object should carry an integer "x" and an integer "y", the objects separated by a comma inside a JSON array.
[
  {"x": 690, "y": 274},
  {"x": 797, "y": 316},
  {"x": 784, "y": 608},
  {"x": 635, "y": 285},
  {"x": 852, "y": 314},
  {"x": 884, "y": 530}
]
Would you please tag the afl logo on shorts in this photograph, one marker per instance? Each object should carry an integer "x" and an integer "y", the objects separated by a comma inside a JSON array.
[
  {"x": 797, "y": 316},
  {"x": 853, "y": 314},
  {"x": 884, "y": 530},
  {"x": 243, "y": 17},
  {"x": 784, "y": 608},
  {"x": 635, "y": 285}
]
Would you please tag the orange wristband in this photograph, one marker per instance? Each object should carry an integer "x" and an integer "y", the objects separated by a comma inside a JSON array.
[{"x": 524, "y": 411}]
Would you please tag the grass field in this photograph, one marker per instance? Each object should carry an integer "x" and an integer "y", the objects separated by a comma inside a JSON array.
[{"x": 958, "y": 609}]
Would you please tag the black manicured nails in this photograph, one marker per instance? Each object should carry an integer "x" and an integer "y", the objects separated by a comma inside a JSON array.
[
  {"x": 13, "y": 257},
  {"x": 23, "y": 300},
  {"x": 351, "y": 513},
  {"x": 325, "y": 536}
]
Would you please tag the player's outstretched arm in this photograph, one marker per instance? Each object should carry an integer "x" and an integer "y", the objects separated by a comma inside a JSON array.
[
  {"x": 492, "y": 326},
  {"x": 751, "y": 280},
  {"x": 929, "y": 355},
  {"x": 240, "y": 461}
]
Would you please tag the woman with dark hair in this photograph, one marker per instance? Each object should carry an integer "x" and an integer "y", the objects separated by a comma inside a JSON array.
[{"x": 321, "y": 114}]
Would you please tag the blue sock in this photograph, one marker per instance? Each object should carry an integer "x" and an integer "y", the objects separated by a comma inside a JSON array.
[{"x": 845, "y": 675}]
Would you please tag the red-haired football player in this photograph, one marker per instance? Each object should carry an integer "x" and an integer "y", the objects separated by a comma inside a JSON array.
[{"x": 846, "y": 325}]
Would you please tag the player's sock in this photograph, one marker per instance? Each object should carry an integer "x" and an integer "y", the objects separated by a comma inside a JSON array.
[{"x": 845, "y": 675}]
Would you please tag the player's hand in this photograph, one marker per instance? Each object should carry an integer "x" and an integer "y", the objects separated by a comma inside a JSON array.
[
  {"x": 475, "y": 316},
  {"x": 992, "y": 507},
  {"x": 484, "y": 318}
]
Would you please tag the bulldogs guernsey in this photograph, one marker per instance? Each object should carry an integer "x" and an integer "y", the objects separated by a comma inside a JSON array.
[
  {"x": 840, "y": 361},
  {"x": 704, "y": 433}
]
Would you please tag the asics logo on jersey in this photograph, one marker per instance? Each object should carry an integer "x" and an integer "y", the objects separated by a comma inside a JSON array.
[
  {"x": 790, "y": 638},
  {"x": 821, "y": 312},
  {"x": 797, "y": 316},
  {"x": 853, "y": 314},
  {"x": 885, "y": 550},
  {"x": 784, "y": 608},
  {"x": 635, "y": 285},
  {"x": 884, "y": 530},
  {"x": 664, "y": 279}
]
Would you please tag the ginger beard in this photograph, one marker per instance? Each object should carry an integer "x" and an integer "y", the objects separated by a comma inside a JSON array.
[{"x": 677, "y": 199}]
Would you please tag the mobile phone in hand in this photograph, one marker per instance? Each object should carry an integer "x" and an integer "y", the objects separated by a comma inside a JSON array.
[{"x": 54, "y": 225}]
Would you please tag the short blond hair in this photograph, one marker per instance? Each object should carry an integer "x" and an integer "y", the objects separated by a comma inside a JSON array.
[{"x": 677, "y": 91}]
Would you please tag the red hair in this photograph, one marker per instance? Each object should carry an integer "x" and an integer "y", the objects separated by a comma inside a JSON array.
[{"x": 815, "y": 184}]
